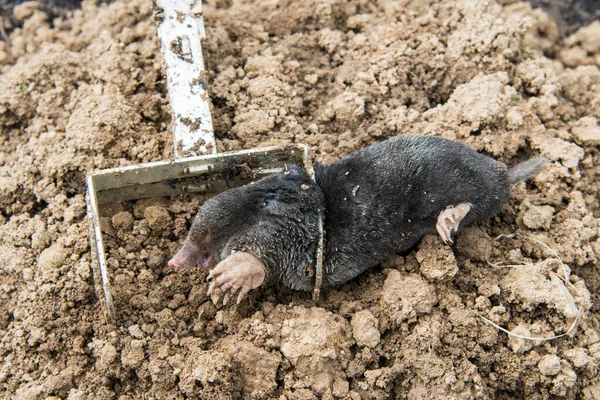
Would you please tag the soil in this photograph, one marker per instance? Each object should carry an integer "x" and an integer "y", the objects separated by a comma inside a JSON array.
[{"x": 88, "y": 92}]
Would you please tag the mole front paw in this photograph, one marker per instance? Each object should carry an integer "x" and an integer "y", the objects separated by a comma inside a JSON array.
[
  {"x": 449, "y": 220},
  {"x": 240, "y": 271}
]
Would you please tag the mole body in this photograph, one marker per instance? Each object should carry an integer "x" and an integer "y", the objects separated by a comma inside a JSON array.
[{"x": 377, "y": 201}]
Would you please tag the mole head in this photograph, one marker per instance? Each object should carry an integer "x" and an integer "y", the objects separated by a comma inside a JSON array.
[
  {"x": 213, "y": 224},
  {"x": 247, "y": 217}
]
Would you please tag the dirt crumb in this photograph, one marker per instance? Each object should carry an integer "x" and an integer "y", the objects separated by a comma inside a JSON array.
[
  {"x": 537, "y": 217},
  {"x": 210, "y": 374},
  {"x": 587, "y": 131},
  {"x": 365, "y": 329},
  {"x": 123, "y": 221},
  {"x": 437, "y": 260},
  {"x": 258, "y": 367},
  {"x": 158, "y": 218},
  {"x": 530, "y": 285},
  {"x": 549, "y": 365},
  {"x": 406, "y": 297},
  {"x": 475, "y": 243}
]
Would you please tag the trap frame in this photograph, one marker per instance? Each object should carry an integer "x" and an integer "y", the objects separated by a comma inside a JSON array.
[{"x": 196, "y": 167}]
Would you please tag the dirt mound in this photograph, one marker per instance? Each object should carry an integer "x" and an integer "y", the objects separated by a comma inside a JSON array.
[{"x": 88, "y": 92}]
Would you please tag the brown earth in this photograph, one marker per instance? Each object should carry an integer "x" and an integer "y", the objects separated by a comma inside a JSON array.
[{"x": 88, "y": 92}]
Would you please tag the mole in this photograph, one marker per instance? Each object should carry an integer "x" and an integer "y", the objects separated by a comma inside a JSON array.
[{"x": 376, "y": 202}]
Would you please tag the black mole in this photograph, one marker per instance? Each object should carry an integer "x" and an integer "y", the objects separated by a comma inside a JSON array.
[{"x": 377, "y": 201}]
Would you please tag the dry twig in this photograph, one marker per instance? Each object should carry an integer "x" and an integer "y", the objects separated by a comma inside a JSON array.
[{"x": 517, "y": 264}]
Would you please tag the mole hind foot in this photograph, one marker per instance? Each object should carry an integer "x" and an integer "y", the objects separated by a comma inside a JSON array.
[
  {"x": 240, "y": 271},
  {"x": 449, "y": 219}
]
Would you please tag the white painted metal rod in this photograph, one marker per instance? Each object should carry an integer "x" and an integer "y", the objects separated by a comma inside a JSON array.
[{"x": 180, "y": 30}]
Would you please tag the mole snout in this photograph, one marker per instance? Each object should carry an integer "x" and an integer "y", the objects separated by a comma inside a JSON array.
[
  {"x": 195, "y": 250},
  {"x": 376, "y": 202},
  {"x": 190, "y": 255}
]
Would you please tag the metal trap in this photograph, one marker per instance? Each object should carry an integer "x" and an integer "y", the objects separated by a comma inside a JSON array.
[{"x": 196, "y": 167}]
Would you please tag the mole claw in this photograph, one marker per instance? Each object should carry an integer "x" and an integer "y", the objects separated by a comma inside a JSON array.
[
  {"x": 211, "y": 287},
  {"x": 215, "y": 297},
  {"x": 240, "y": 297},
  {"x": 242, "y": 293},
  {"x": 226, "y": 298}
]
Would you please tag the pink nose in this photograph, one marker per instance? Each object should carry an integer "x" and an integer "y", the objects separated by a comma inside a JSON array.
[{"x": 174, "y": 264}]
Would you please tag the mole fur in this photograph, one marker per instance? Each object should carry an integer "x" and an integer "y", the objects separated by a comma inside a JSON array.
[{"x": 377, "y": 202}]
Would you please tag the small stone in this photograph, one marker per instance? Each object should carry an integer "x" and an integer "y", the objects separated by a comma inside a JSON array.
[
  {"x": 364, "y": 328},
  {"x": 537, "y": 217},
  {"x": 549, "y": 365}
]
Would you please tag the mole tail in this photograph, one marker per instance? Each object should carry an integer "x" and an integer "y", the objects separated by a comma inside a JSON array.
[{"x": 526, "y": 170}]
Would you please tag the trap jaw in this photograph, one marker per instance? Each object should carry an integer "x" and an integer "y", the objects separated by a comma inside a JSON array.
[
  {"x": 194, "y": 175},
  {"x": 196, "y": 167}
]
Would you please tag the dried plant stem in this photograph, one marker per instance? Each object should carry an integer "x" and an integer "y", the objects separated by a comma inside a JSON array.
[{"x": 518, "y": 264}]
